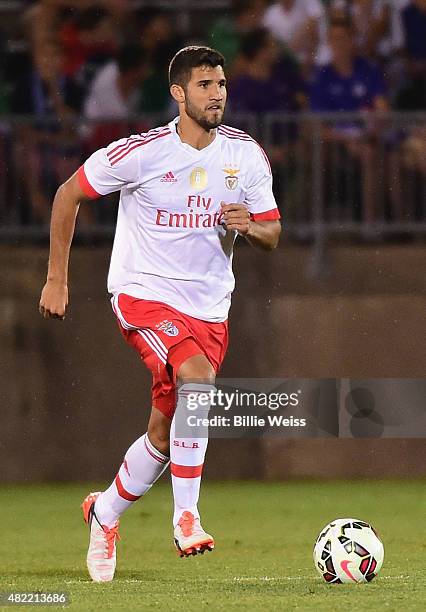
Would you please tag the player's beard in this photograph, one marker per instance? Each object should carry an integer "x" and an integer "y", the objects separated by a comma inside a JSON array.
[{"x": 201, "y": 117}]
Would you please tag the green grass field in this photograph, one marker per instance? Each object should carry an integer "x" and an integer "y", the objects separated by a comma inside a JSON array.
[{"x": 263, "y": 558}]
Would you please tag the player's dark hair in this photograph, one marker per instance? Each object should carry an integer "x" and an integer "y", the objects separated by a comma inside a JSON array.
[
  {"x": 253, "y": 42},
  {"x": 186, "y": 59}
]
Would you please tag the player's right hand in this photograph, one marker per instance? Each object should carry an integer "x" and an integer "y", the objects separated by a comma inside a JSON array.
[{"x": 54, "y": 300}]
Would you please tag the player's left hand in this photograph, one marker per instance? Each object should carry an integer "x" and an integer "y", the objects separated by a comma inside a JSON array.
[{"x": 236, "y": 217}]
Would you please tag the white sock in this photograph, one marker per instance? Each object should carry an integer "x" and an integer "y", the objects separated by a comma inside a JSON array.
[
  {"x": 143, "y": 464},
  {"x": 188, "y": 448}
]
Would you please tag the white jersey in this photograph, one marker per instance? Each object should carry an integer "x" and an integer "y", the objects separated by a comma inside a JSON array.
[{"x": 170, "y": 244}]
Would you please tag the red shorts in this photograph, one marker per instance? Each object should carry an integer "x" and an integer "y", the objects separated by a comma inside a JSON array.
[{"x": 165, "y": 338}]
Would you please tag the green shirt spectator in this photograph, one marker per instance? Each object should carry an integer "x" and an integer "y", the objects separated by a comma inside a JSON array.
[
  {"x": 155, "y": 96},
  {"x": 225, "y": 37},
  {"x": 227, "y": 32}
]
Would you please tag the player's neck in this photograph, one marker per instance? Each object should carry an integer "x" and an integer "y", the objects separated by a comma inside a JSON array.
[{"x": 193, "y": 134}]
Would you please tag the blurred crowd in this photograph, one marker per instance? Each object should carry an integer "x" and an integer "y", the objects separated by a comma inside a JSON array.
[{"x": 106, "y": 61}]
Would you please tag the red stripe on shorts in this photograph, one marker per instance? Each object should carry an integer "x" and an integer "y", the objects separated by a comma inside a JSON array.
[{"x": 186, "y": 471}]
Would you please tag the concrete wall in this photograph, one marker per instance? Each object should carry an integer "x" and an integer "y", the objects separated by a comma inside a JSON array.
[{"x": 73, "y": 396}]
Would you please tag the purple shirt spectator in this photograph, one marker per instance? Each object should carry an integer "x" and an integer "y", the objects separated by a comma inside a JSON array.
[
  {"x": 268, "y": 81},
  {"x": 414, "y": 27},
  {"x": 333, "y": 92},
  {"x": 279, "y": 92}
]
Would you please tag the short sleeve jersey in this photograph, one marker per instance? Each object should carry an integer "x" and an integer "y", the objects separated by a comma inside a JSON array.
[{"x": 170, "y": 243}]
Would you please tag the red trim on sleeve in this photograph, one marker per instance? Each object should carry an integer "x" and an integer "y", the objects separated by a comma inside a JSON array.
[
  {"x": 85, "y": 185},
  {"x": 269, "y": 215},
  {"x": 186, "y": 471}
]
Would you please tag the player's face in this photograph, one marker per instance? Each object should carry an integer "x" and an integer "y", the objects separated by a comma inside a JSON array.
[{"x": 205, "y": 96}]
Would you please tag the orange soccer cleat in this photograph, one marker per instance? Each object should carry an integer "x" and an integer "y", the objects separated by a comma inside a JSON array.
[
  {"x": 190, "y": 537},
  {"x": 101, "y": 556}
]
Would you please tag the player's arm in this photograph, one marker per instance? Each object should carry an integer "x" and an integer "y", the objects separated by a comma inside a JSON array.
[
  {"x": 257, "y": 219},
  {"x": 54, "y": 296},
  {"x": 262, "y": 234},
  {"x": 107, "y": 170}
]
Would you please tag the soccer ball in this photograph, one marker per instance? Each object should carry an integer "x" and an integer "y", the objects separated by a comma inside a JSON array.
[{"x": 348, "y": 550}]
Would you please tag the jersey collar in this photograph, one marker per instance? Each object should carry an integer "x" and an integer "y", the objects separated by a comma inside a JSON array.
[{"x": 187, "y": 147}]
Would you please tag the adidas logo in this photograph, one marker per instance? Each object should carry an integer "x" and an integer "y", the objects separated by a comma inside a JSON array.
[{"x": 169, "y": 177}]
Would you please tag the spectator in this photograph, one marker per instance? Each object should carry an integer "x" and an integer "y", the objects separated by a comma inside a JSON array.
[
  {"x": 351, "y": 84},
  {"x": 48, "y": 150},
  {"x": 115, "y": 88},
  {"x": 159, "y": 42},
  {"x": 414, "y": 27},
  {"x": 348, "y": 83},
  {"x": 89, "y": 39},
  {"x": 114, "y": 96},
  {"x": 227, "y": 33},
  {"x": 414, "y": 151},
  {"x": 46, "y": 91},
  {"x": 45, "y": 15},
  {"x": 301, "y": 25},
  {"x": 4, "y": 108},
  {"x": 270, "y": 82},
  {"x": 377, "y": 25},
  {"x": 4, "y": 95},
  {"x": 157, "y": 34},
  {"x": 4, "y": 89},
  {"x": 413, "y": 93}
]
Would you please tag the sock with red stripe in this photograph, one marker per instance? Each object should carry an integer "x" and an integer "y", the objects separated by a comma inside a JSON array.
[
  {"x": 143, "y": 464},
  {"x": 188, "y": 445}
]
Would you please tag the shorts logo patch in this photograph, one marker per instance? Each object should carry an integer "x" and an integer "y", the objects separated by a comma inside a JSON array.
[{"x": 168, "y": 328}]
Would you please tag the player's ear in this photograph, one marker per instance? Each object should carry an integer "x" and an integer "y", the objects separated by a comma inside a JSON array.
[{"x": 177, "y": 92}]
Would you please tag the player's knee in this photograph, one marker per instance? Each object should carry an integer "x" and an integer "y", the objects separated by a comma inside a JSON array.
[{"x": 196, "y": 368}]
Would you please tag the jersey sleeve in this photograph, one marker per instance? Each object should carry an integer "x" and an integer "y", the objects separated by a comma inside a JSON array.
[
  {"x": 111, "y": 169},
  {"x": 259, "y": 197}
]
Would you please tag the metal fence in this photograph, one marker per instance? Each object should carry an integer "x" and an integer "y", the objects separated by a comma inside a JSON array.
[{"x": 359, "y": 175}]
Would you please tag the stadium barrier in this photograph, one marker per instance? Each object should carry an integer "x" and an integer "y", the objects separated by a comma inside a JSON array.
[
  {"x": 358, "y": 175},
  {"x": 73, "y": 395}
]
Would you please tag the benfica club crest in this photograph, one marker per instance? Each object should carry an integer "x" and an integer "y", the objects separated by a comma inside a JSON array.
[
  {"x": 231, "y": 178},
  {"x": 168, "y": 328}
]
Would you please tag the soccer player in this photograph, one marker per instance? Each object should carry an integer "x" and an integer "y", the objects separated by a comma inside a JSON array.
[{"x": 187, "y": 189}]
